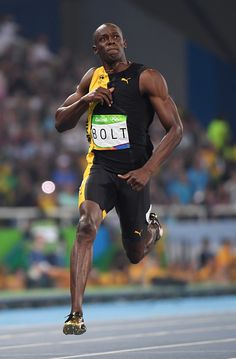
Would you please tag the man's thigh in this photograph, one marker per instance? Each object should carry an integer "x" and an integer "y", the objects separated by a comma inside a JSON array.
[{"x": 99, "y": 186}]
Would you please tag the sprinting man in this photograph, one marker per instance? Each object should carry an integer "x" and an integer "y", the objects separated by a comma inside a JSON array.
[{"x": 121, "y": 98}]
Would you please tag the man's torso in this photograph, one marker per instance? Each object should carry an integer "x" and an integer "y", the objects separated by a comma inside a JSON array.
[{"x": 118, "y": 135}]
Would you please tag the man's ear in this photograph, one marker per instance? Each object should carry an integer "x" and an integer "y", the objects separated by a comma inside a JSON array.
[
  {"x": 95, "y": 50},
  {"x": 125, "y": 43}
]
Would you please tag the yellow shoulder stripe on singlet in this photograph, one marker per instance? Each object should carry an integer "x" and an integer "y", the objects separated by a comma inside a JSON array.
[{"x": 99, "y": 79}]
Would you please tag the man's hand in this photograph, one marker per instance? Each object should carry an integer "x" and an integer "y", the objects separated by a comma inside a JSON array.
[
  {"x": 137, "y": 179},
  {"x": 100, "y": 95}
]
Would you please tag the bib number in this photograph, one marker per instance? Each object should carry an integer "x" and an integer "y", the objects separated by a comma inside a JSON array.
[{"x": 110, "y": 132}]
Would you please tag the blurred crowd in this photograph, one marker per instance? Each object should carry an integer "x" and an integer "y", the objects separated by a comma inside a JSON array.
[
  {"x": 34, "y": 81},
  {"x": 43, "y": 265}
]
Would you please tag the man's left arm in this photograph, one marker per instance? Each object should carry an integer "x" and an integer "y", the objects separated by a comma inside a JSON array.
[{"x": 154, "y": 86}]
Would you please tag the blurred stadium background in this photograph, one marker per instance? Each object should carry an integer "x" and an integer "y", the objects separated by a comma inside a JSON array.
[{"x": 45, "y": 48}]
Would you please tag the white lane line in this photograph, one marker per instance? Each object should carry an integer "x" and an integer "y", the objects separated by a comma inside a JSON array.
[
  {"x": 131, "y": 336},
  {"x": 118, "y": 326},
  {"x": 178, "y": 345},
  {"x": 202, "y": 330},
  {"x": 152, "y": 334},
  {"x": 124, "y": 337},
  {"x": 130, "y": 323},
  {"x": 141, "y": 335},
  {"x": 28, "y": 334},
  {"x": 19, "y": 346},
  {"x": 159, "y": 333}
]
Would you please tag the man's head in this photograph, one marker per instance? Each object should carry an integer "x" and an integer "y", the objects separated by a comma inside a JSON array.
[{"x": 109, "y": 43}]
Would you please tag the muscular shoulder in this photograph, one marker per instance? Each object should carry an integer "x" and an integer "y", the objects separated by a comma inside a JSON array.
[
  {"x": 83, "y": 86},
  {"x": 152, "y": 83}
]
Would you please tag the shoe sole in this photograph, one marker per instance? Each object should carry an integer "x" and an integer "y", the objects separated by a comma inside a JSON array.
[{"x": 73, "y": 329}]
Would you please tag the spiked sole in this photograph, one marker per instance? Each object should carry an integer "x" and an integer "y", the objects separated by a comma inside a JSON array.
[{"x": 74, "y": 329}]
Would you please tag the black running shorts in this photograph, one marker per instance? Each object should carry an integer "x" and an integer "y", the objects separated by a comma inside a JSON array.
[{"x": 109, "y": 191}]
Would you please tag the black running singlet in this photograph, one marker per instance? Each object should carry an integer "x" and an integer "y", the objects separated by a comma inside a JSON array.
[{"x": 118, "y": 135}]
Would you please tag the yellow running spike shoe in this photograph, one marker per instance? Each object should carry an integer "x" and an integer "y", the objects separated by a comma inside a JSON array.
[{"x": 74, "y": 324}]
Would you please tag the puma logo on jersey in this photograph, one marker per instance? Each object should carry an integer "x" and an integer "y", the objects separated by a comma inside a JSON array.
[
  {"x": 138, "y": 233},
  {"x": 125, "y": 80}
]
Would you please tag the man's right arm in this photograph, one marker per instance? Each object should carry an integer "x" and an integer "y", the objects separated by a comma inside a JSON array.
[{"x": 69, "y": 113}]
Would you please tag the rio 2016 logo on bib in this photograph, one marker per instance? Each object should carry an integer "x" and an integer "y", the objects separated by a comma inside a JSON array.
[{"x": 109, "y": 132}]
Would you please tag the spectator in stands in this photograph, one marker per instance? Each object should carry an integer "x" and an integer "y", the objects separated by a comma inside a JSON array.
[
  {"x": 64, "y": 174},
  {"x": 197, "y": 175},
  {"x": 67, "y": 196},
  {"x": 179, "y": 189},
  {"x": 38, "y": 264},
  {"x": 45, "y": 263},
  {"x": 206, "y": 255},
  {"x": 39, "y": 52},
  {"x": 230, "y": 187},
  {"x": 8, "y": 32},
  {"x": 224, "y": 261},
  {"x": 219, "y": 132}
]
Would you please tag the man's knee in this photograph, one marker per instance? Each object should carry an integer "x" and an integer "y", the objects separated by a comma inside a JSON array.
[
  {"x": 135, "y": 258},
  {"x": 86, "y": 230},
  {"x": 134, "y": 249}
]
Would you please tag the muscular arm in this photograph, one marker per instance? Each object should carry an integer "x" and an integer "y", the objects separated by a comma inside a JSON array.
[
  {"x": 154, "y": 86},
  {"x": 69, "y": 113}
]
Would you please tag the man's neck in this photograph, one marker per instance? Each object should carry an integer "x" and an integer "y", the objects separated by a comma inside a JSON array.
[{"x": 117, "y": 66}]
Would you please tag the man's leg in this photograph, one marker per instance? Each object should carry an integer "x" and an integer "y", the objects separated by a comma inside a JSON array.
[
  {"x": 80, "y": 264},
  {"x": 138, "y": 247},
  {"x": 140, "y": 228}
]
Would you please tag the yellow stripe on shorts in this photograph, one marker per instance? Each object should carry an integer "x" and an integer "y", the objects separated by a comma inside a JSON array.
[{"x": 89, "y": 158}]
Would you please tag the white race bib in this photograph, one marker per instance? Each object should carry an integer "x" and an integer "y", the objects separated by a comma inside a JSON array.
[{"x": 110, "y": 132}]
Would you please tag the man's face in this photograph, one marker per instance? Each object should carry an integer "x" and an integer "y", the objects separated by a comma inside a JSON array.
[{"x": 109, "y": 43}]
